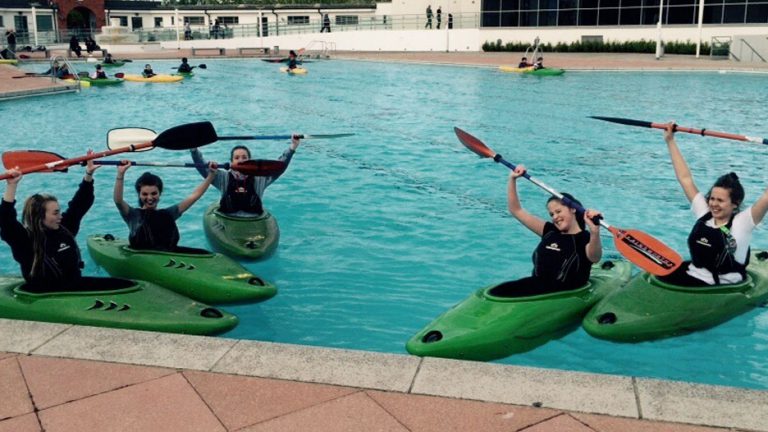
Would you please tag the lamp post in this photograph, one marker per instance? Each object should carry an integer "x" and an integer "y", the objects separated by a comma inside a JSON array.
[
  {"x": 701, "y": 22},
  {"x": 659, "y": 45}
]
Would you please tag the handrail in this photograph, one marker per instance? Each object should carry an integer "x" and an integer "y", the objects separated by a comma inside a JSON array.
[{"x": 754, "y": 51}]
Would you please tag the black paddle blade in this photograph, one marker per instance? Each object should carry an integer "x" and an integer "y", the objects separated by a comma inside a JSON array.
[
  {"x": 474, "y": 144},
  {"x": 624, "y": 121},
  {"x": 261, "y": 167},
  {"x": 186, "y": 136},
  {"x": 202, "y": 66}
]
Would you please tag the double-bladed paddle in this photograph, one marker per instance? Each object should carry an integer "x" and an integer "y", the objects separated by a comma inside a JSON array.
[
  {"x": 638, "y": 247},
  {"x": 183, "y": 137},
  {"x": 26, "y": 158},
  {"x": 118, "y": 138},
  {"x": 201, "y": 66},
  {"x": 703, "y": 132}
]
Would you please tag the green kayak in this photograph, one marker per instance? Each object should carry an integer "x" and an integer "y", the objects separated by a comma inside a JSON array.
[
  {"x": 195, "y": 273},
  {"x": 102, "y": 81},
  {"x": 118, "y": 303},
  {"x": 113, "y": 64},
  {"x": 241, "y": 237},
  {"x": 185, "y": 74},
  {"x": 487, "y": 327},
  {"x": 649, "y": 309}
]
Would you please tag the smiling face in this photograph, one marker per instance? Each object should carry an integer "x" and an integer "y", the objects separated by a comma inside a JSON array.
[
  {"x": 52, "y": 219},
  {"x": 720, "y": 203},
  {"x": 149, "y": 197},
  {"x": 239, "y": 156},
  {"x": 562, "y": 216}
]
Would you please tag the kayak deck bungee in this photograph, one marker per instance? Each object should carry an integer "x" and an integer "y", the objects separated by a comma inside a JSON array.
[
  {"x": 160, "y": 78},
  {"x": 117, "y": 303},
  {"x": 647, "y": 308},
  {"x": 102, "y": 81},
  {"x": 532, "y": 71},
  {"x": 251, "y": 237},
  {"x": 195, "y": 273},
  {"x": 486, "y": 327}
]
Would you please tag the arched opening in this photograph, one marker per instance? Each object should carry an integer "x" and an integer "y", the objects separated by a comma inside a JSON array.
[{"x": 81, "y": 22}]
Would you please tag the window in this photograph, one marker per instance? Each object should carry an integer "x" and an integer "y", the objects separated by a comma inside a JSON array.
[
  {"x": 733, "y": 14},
  {"x": 1, "y": 21},
  {"x": 346, "y": 19},
  {"x": 194, "y": 20},
  {"x": 491, "y": 19},
  {"x": 713, "y": 14},
  {"x": 757, "y": 13},
  {"x": 123, "y": 20},
  {"x": 229, "y": 20},
  {"x": 510, "y": 19},
  {"x": 158, "y": 21},
  {"x": 298, "y": 20},
  {"x": 137, "y": 22},
  {"x": 608, "y": 17},
  {"x": 567, "y": 18},
  {"x": 44, "y": 23},
  {"x": 630, "y": 16}
]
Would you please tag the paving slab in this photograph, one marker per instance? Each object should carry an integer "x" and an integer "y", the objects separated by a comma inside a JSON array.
[
  {"x": 703, "y": 404},
  {"x": 353, "y": 413},
  {"x": 561, "y": 423},
  {"x": 167, "y": 404},
  {"x": 321, "y": 365},
  {"x": 53, "y": 381},
  {"x": 25, "y": 423},
  {"x": 437, "y": 414},
  {"x": 138, "y": 347},
  {"x": 243, "y": 401},
  {"x": 13, "y": 390},
  {"x": 24, "y": 336},
  {"x": 610, "y": 424},
  {"x": 576, "y": 391}
]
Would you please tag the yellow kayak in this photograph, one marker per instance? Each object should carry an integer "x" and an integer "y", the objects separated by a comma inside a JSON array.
[
  {"x": 9, "y": 61},
  {"x": 73, "y": 81},
  {"x": 296, "y": 71},
  {"x": 161, "y": 78},
  {"x": 531, "y": 71}
]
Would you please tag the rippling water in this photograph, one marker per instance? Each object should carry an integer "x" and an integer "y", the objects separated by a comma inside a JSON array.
[{"x": 383, "y": 231}]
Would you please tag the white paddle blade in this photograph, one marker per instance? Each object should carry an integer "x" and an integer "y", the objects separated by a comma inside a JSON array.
[{"x": 125, "y": 137}]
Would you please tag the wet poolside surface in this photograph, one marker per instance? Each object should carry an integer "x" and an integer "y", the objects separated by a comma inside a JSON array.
[{"x": 67, "y": 378}]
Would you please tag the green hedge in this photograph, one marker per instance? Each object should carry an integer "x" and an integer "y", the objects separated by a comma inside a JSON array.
[{"x": 641, "y": 46}]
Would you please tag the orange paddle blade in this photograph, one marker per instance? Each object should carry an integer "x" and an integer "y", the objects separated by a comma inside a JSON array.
[
  {"x": 645, "y": 251},
  {"x": 30, "y": 158},
  {"x": 474, "y": 144},
  {"x": 261, "y": 167}
]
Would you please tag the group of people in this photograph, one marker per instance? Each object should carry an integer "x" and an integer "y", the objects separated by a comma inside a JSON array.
[
  {"x": 525, "y": 64},
  {"x": 438, "y": 16},
  {"x": 43, "y": 242},
  {"x": 90, "y": 45}
]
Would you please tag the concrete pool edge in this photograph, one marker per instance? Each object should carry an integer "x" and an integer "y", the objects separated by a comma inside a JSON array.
[{"x": 613, "y": 395}]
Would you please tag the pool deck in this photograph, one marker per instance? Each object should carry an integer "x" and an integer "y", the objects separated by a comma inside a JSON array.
[{"x": 58, "y": 378}]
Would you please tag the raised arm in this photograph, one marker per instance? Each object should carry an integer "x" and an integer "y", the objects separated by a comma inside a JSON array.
[
  {"x": 760, "y": 207},
  {"x": 682, "y": 171},
  {"x": 199, "y": 190},
  {"x": 595, "y": 245},
  {"x": 530, "y": 221},
  {"x": 117, "y": 194}
]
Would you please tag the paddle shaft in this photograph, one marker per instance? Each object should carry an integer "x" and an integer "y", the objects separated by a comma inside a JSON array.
[
  {"x": 73, "y": 161},
  {"x": 695, "y": 131},
  {"x": 282, "y": 137},
  {"x": 162, "y": 164}
]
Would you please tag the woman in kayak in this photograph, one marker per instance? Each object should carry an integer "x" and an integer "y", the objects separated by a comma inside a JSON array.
[
  {"x": 184, "y": 67},
  {"x": 240, "y": 193},
  {"x": 152, "y": 228},
  {"x": 563, "y": 259},
  {"x": 292, "y": 60},
  {"x": 148, "y": 72},
  {"x": 44, "y": 245},
  {"x": 719, "y": 240}
]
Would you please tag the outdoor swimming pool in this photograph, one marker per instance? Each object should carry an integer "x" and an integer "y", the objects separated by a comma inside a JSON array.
[{"x": 384, "y": 231}]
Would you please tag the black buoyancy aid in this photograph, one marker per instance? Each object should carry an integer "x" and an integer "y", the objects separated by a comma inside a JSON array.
[
  {"x": 158, "y": 231},
  {"x": 561, "y": 258},
  {"x": 241, "y": 196},
  {"x": 62, "y": 263},
  {"x": 714, "y": 248}
]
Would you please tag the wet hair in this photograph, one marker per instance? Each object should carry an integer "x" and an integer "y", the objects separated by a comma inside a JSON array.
[
  {"x": 540, "y": 59},
  {"x": 731, "y": 182},
  {"x": 147, "y": 66},
  {"x": 33, "y": 217},
  {"x": 579, "y": 215},
  {"x": 524, "y": 58},
  {"x": 292, "y": 52},
  {"x": 98, "y": 66},
  {"x": 183, "y": 59},
  {"x": 238, "y": 147},
  {"x": 148, "y": 179}
]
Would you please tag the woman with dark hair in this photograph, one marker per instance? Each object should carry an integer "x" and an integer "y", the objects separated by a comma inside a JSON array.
[
  {"x": 241, "y": 193},
  {"x": 563, "y": 259},
  {"x": 152, "y": 228},
  {"x": 44, "y": 244},
  {"x": 719, "y": 240}
]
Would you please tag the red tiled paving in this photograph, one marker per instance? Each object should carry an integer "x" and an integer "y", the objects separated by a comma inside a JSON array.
[{"x": 64, "y": 395}]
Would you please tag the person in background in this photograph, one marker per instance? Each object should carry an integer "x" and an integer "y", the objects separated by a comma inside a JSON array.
[
  {"x": 74, "y": 45},
  {"x": 187, "y": 30},
  {"x": 524, "y": 63},
  {"x": 10, "y": 37},
  {"x": 152, "y": 228},
  {"x": 99, "y": 74},
  {"x": 242, "y": 194},
  {"x": 719, "y": 240},
  {"x": 326, "y": 24},
  {"x": 108, "y": 59},
  {"x": 439, "y": 16},
  {"x": 429, "y": 17},
  {"x": 450, "y": 21},
  {"x": 539, "y": 63},
  {"x": 148, "y": 72},
  {"x": 184, "y": 67},
  {"x": 292, "y": 60},
  {"x": 44, "y": 242}
]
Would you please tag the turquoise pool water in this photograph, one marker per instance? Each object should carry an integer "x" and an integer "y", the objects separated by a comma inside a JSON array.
[{"x": 384, "y": 231}]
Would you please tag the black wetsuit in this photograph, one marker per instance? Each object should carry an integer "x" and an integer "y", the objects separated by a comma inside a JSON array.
[
  {"x": 185, "y": 67},
  {"x": 560, "y": 263},
  {"x": 62, "y": 265},
  {"x": 241, "y": 196},
  {"x": 153, "y": 229}
]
